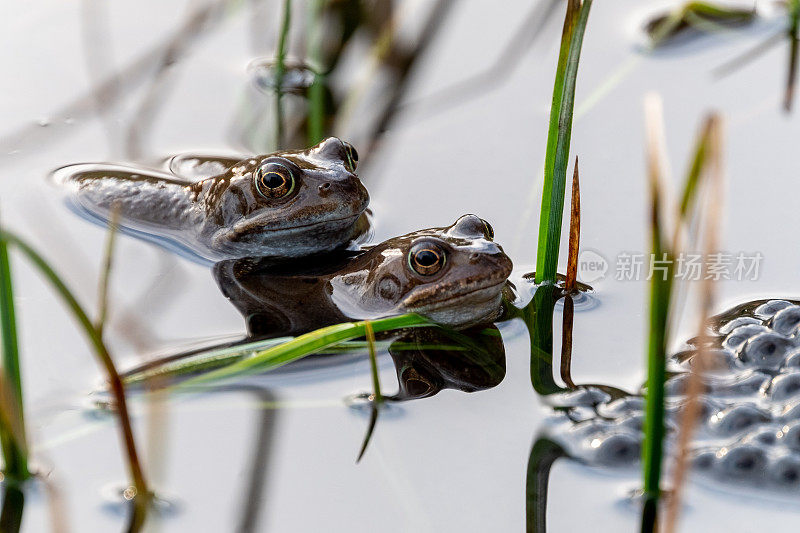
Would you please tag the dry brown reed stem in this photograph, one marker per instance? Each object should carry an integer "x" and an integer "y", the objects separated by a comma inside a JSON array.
[{"x": 574, "y": 232}]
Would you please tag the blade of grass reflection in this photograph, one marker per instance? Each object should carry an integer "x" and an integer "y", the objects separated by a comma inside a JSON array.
[
  {"x": 262, "y": 448},
  {"x": 544, "y": 453},
  {"x": 11, "y": 514},
  {"x": 566, "y": 341},
  {"x": 538, "y": 317},
  {"x": 376, "y": 399}
]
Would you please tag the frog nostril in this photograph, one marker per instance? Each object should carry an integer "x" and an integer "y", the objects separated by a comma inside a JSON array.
[
  {"x": 474, "y": 257},
  {"x": 325, "y": 187}
]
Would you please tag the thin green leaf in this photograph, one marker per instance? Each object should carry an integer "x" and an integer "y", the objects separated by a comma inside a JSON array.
[
  {"x": 105, "y": 271},
  {"x": 660, "y": 289},
  {"x": 558, "y": 142},
  {"x": 280, "y": 72},
  {"x": 302, "y": 346},
  {"x": 316, "y": 93},
  {"x": 791, "y": 76},
  {"x": 15, "y": 452}
]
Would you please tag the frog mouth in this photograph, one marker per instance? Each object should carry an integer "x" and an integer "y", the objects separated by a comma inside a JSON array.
[
  {"x": 248, "y": 228},
  {"x": 469, "y": 295}
]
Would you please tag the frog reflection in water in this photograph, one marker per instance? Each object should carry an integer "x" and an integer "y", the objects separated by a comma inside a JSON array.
[
  {"x": 428, "y": 360},
  {"x": 282, "y": 205},
  {"x": 454, "y": 276}
]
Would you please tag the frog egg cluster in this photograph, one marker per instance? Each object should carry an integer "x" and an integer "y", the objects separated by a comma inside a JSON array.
[{"x": 749, "y": 424}]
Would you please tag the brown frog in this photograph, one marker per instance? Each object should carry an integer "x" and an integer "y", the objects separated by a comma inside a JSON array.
[
  {"x": 453, "y": 275},
  {"x": 282, "y": 205}
]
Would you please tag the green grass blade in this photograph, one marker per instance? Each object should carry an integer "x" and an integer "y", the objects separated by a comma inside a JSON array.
[
  {"x": 302, "y": 346},
  {"x": 660, "y": 284},
  {"x": 558, "y": 142},
  {"x": 791, "y": 76},
  {"x": 552, "y": 132},
  {"x": 14, "y": 447},
  {"x": 105, "y": 272},
  {"x": 280, "y": 72},
  {"x": 316, "y": 93},
  {"x": 695, "y": 171}
]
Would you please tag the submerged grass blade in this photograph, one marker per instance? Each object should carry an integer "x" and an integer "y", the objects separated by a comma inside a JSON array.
[
  {"x": 302, "y": 346},
  {"x": 558, "y": 140},
  {"x": 15, "y": 452},
  {"x": 377, "y": 398},
  {"x": 103, "y": 356},
  {"x": 574, "y": 233}
]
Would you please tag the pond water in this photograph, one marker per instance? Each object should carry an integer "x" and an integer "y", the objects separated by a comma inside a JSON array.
[{"x": 277, "y": 452}]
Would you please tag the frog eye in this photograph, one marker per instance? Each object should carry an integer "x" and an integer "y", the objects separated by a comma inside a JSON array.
[
  {"x": 426, "y": 258},
  {"x": 351, "y": 155},
  {"x": 488, "y": 230},
  {"x": 273, "y": 180}
]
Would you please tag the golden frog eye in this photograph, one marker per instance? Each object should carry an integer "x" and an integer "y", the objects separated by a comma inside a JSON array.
[
  {"x": 488, "y": 230},
  {"x": 273, "y": 180},
  {"x": 426, "y": 258},
  {"x": 352, "y": 157}
]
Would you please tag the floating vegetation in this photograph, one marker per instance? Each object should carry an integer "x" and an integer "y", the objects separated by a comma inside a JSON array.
[{"x": 695, "y": 17}]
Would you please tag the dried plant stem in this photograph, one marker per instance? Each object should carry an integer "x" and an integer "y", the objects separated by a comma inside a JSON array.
[{"x": 574, "y": 233}]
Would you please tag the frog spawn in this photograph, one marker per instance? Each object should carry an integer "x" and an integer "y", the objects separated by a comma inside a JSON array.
[{"x": 749, "y": 427}]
